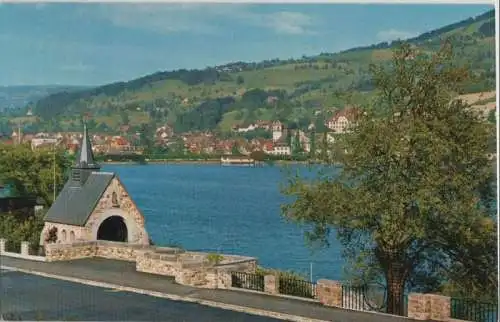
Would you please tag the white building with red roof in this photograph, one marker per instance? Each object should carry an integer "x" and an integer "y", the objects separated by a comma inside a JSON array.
[{"x": 342, "y": 119}]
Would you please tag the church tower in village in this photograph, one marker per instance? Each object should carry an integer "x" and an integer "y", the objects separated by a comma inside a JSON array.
[{"x": 93, "y": 205}]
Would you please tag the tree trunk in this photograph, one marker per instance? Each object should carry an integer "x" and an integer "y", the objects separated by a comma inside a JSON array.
[{"x": 395, "y": 279}]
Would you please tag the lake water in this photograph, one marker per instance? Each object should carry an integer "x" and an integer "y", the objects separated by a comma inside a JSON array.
[{"x": 233, "y": 210}]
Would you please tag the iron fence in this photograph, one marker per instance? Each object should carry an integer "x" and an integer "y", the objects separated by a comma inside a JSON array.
[
  {"x": 13, "y": 246},
  {"x": 370, "y": 298},
  {"x": 296, "y": 287},
  {"x": 247, "y": 281},
  {"x": 472, "y": 310},
  {"x": 353, "y": 297}
]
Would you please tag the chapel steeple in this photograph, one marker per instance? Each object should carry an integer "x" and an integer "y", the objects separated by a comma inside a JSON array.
[{"x": 84, "y": 163}]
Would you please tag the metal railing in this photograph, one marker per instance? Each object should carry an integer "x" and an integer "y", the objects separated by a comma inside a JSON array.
[
  {"x": 247, "y": 281},
  {"x": 370, "y": 298},
  {"x": 296, "y": 287},
  {"x": 472, "y": 310},
  {"x": 353, "y": 297},
  {"x": 13, "y": 246}
]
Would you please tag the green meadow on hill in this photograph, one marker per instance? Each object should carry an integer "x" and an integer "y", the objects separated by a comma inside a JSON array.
[{"x": 296, "y": 91}]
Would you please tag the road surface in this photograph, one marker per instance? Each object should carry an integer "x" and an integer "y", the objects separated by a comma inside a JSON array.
[{"x": 35, "y": 298}]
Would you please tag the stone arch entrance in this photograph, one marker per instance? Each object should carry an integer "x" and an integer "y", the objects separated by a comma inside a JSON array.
[{"x": 114, "y": 229}]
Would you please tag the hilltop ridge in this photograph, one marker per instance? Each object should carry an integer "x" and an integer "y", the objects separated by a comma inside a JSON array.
[{"x": 294, "y": 90}]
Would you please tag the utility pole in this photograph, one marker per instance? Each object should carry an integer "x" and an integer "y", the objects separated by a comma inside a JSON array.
[
  {"x": 311, "y": 271},
  {"x": 54, "y": 155},
  {"x": 54, "y": 187},
  {"x": 18, "y": 131}
]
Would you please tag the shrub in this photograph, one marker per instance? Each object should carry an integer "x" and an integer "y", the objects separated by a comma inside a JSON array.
[
  {"x": 13, "y": 246},
  {"x": 214, "y": 259}
]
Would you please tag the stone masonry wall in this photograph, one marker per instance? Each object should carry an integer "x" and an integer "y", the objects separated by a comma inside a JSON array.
[
  {"x": 64, "y": 252},
  {"x": 223, "y": 279},
  {"x": 65, "y": 233},
  {"x": 188, "y": 268},
  {"x": 154, "y": 264},
  {"x": 247, "y": 265},
  {"x": 137, "y": 231},
  {"x": 120, "y": 251},
  {"x": 198, "y": 277},
  {"x": 194, "y": 270}
]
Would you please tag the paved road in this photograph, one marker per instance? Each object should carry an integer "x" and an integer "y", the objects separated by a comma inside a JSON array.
[
  {"x": 124, "y": 273},
  {"x": 30, "y": 297}
]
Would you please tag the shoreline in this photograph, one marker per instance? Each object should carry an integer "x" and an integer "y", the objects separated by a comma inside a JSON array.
[{"x": 187, "y": 161}]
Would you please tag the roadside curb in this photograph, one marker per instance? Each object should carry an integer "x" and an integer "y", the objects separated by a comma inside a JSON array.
[{"x": 173, "y": 297}]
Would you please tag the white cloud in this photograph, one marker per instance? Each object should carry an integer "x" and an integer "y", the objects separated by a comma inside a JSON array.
[
  {"x": 197, "y": 18},
  {"x": 78, "y": 67},
  {"x": 394, "y": 34},
  {"x": 283, "y": 22},
  {"x": 161, "y": 18}
]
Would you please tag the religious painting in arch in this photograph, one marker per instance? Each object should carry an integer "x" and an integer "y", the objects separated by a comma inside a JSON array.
[{"x": 114, "y": 200}]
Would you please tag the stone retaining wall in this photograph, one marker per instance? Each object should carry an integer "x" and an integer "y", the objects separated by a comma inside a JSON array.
[
  {"x": 194, "y": 269},
  {"x": 119, "y": 251},
  {"x": 64, "y": 252},
  {"x": 103, "y": 249},
  {"x": 156, "y": 264},
  {"x": 200, "y": 277}
]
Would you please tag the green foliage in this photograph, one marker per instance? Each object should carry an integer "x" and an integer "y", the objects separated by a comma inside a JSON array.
[
  {"x": 296, "y": 145},
  {"x": 235, "y": 149},
  {"x": 32, "y": 172},
  {"x": 492, "y": 117},
  {"x": 258, "y": 155},
  {"x": 204, "y": 117},
  {"x": 312, "y": 152},
  {"x": 214, "y": 259},
  {"x": 412, "y": 202},
  {"x": 258, "y": 133},
  {"x": 287, "y": 274},
  {"x": 17, "y": 228},
  {"x": 124, "y": 118}
]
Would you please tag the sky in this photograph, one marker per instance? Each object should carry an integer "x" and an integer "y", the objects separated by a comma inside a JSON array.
[{"x": 95, "y": 43}]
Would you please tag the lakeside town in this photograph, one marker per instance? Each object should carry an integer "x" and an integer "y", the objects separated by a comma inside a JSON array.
[
  {"x": 389, "y": 210},
  {"x": 283, "y": 142}
]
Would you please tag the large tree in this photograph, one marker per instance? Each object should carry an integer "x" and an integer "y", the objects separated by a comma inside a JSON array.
[
  {"x": 32, "y": 172},
  {"x": 412, "y": 202}
]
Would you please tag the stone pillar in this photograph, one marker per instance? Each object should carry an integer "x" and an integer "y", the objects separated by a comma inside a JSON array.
[
  {"x": 329, "y": 292},
  {"x": 271, "y": 284},
  {"x": 2, "y": 245},
  {"x": 419, "y": 308},
  {"x": 429, "y": 307},
  {"x": 440, "y": 307},
  {"x": 25, "y": 248},
  {"x": 223, "y": 279}
]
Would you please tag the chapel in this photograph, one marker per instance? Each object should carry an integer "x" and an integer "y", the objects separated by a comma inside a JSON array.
[{"x": 93, "y": 205}]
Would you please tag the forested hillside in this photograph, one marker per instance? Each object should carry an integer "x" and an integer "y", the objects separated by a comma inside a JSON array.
[{"x": 297, "y": 91}]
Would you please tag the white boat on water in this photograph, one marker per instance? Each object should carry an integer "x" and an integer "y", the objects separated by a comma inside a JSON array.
[{"x": 236, "y": 160}]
